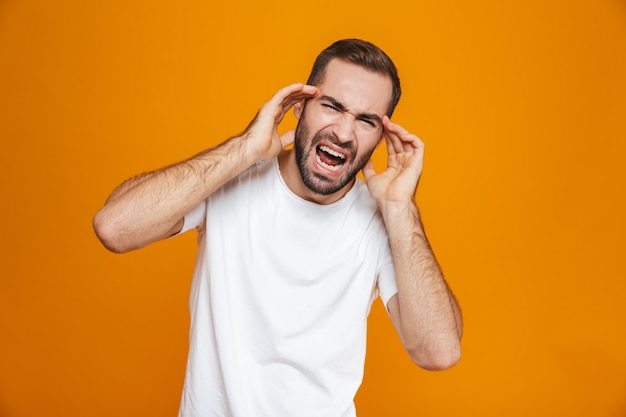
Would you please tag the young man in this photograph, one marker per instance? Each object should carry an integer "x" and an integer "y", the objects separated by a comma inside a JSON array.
[{"x": 293, "y": 248}]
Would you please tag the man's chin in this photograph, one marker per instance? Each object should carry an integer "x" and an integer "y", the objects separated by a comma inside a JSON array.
[{"x": 322, "y": 185}]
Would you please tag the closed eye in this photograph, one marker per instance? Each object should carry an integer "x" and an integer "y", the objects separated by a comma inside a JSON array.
[{"x": 368, "y": 122}]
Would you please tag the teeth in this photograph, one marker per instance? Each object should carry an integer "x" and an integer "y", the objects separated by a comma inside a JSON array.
[
  {"x": 333, "y": 168},
  {"x": 332, "y": 152}
]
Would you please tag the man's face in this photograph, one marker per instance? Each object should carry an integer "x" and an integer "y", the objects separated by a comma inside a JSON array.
[{"x": 339, "y": 129}]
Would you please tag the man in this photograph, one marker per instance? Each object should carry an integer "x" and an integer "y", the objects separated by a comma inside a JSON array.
[{"x": 293, "y": 248}]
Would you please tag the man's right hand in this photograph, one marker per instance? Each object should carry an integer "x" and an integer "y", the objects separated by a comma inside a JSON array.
[{"x": 261, "y": 135}]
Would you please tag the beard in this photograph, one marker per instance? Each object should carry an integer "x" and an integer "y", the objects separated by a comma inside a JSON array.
[{"x": 317, "y": 182}]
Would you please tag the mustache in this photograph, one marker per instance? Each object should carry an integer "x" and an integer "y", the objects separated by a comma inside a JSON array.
[{"x": 329, "y": 137}]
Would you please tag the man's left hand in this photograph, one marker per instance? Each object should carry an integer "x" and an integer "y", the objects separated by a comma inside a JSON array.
[{"x": 405, "y": 159}]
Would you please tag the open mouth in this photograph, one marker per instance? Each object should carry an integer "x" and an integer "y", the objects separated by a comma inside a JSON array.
[{"x": 329, "y": 158}]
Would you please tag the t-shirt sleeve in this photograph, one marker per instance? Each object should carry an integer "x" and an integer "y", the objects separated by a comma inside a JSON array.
[
  {"x": 386, "y": 283},
  {"x": 195, "y": 218},
  {"x": 387, "y": 286}
]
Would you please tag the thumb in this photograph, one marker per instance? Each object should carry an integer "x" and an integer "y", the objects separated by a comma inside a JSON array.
[{"x": 287, "y": 138}]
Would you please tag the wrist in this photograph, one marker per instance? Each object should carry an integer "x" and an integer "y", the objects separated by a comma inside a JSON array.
[
  {"x": 253, "y": 152},
  {"x": 398, "y": 207},
  {"x": 241, "y": 148},
  {"x": 400, "y": 214}
]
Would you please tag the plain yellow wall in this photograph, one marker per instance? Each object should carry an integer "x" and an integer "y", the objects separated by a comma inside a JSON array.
[{"x": 522, "y": 108}]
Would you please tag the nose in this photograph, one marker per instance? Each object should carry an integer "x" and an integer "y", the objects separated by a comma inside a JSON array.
[{"x": 344, "y": 128}]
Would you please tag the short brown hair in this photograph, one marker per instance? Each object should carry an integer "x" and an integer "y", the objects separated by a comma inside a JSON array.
[{"x": 362, "y": 53}]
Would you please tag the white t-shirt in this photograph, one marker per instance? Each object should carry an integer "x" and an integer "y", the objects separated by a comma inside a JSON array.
[{"x": 280, "y": 298}]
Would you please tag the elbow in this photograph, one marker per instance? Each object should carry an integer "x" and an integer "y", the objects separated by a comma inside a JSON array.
[
  {"x": 107, "y": 233},
  {"x": 436, "y": 359}
]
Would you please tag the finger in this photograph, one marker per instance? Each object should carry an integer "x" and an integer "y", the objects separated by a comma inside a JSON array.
[
  {"x": 392, "y": 136},
  {"x": 293, "y": 93},
  {"x": 286, "y": 97},
  {"x": 299, "y": 97},
  {"x": 394, "y": 127},
  {"x": 393, "y": 141},
  {"x": 287, "y": 138},
  {"x": 401, "y": 139}
]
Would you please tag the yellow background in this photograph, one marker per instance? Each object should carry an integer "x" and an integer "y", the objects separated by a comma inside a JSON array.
[{"x": 522, "y": 108}]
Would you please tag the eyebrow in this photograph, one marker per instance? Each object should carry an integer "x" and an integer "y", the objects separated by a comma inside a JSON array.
[{"x": 367, "y": 116}]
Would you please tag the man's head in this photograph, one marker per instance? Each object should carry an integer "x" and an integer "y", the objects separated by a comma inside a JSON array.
[
  {"x": 339, "y": 129},
  {"x": 364, "y": 54}
]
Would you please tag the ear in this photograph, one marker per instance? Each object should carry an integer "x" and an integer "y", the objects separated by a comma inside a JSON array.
[{"x": 297, "y": 109}]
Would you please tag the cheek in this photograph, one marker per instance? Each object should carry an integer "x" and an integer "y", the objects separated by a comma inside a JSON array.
[
  {"x": 315, "y": 122},
  {"x": 368, "y": 146}
]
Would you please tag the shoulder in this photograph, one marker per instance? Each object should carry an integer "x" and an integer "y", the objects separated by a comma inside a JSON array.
[{"x": 254, "y": 175}]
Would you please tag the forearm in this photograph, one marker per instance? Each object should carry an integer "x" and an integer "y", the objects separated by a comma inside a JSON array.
[
  {"x": 151, "y": 206},
  {"x": 430, "y": 322}
]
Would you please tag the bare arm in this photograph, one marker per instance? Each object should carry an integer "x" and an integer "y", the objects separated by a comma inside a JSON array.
[
  {"x": 151, "y": 206},
  {"x": 424, "y": 312}
]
